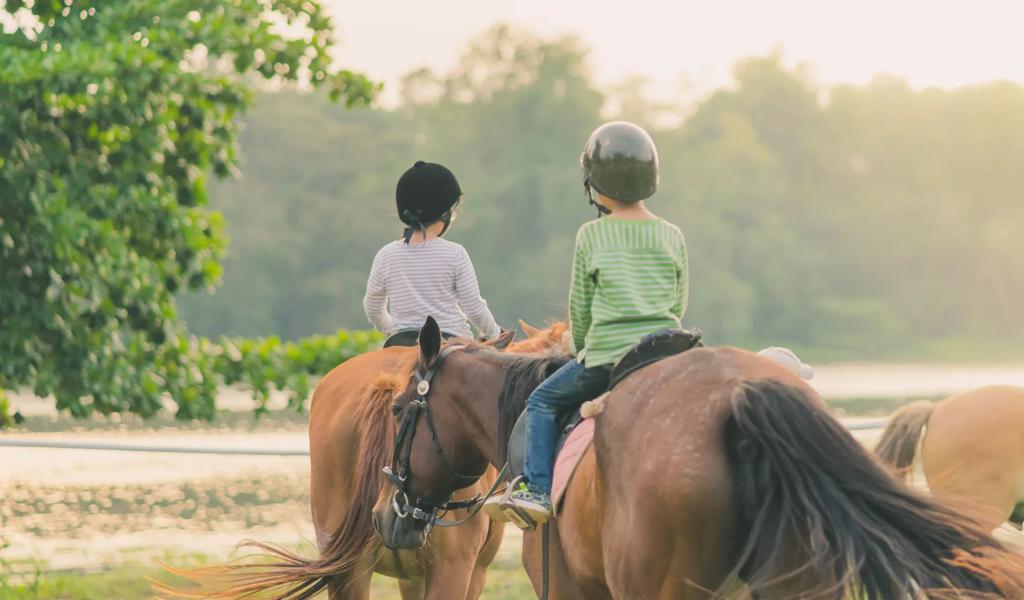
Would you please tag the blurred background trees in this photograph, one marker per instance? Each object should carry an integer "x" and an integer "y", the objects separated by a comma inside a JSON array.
[{"x": 849, "y": 222}]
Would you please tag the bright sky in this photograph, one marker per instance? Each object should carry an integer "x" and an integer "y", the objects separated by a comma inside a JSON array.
[{"x": 684, "y": 44}]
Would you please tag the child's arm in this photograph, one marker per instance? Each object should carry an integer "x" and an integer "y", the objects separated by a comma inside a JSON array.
[
  {"x": 682, "y": 282},
  {"x": 467, "y": 288},
  {"x": 581, "y": 295},
  {"x": 375, "y": 302}
]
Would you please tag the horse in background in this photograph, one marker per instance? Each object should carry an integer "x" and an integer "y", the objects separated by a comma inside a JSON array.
[
  {"x": 351, "y": 432},
  {"x": 711, "y": 467},
  {"x": 970, "y": 448}
]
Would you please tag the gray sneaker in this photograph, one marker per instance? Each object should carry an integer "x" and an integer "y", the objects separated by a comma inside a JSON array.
[{"x": 534, "y": 506}]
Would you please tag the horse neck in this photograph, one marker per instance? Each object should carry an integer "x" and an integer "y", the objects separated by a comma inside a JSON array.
[{"x": 476, "y": 395}]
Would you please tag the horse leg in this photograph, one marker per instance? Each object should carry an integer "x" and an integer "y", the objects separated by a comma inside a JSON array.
[
  {"x": 991, "y": 493},
  {"x": 355, "y": 587},
  {"x": 448, "y": 580},
  {"x": 575, "y": 560},
  {"x": 561, "y": 584},
  {"x": 495, "y": 533},
  {"x": 412, "y": 589},
  {"x": 649, "y": 560}
]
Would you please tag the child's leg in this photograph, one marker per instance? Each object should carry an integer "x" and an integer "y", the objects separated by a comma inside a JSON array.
[{"x": 568, "y": 387}]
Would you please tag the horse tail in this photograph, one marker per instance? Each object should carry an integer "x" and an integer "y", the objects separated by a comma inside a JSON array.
[
  {"x": 293, "y": 577},
  {"x": 810, "y": 493},
  {"x": 898, "y": 445}
]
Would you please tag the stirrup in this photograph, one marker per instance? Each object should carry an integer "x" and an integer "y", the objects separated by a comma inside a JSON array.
[{"x": 519, "y": 517}]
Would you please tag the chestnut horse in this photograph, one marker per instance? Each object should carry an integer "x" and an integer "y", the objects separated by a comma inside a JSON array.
[
  {"x": 970, "y": 448},
  {"x": 707, "y": 468},
  {"x": 350, "y": 436}
]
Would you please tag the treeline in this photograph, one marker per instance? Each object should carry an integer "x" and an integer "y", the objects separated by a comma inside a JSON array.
[{"x": 848, "y": 222}]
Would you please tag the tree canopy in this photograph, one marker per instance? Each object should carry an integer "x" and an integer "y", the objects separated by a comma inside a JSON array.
[{"x": 112, "y": 117}]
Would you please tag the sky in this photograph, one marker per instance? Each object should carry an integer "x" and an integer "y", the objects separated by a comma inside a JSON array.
[{"x": 687, "y": 48}]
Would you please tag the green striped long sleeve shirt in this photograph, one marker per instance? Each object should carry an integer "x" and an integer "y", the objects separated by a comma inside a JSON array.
[{"x": 629, "y": 278}]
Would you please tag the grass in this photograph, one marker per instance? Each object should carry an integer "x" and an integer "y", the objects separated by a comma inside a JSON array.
[{"x": 506, "y": 580}]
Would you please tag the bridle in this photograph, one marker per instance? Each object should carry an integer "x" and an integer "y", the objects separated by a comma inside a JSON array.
[{"x": 419, "y": 508}]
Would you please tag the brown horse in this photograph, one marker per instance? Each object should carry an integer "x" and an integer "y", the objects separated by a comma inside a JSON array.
[
  {"x": 350, "y": 436},
  {"x": 970, "y": 447},
  {"x": 707, "y": 468}
]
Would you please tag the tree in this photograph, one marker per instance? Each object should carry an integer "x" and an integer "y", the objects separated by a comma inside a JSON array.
[{"x": 112, "y": 114}]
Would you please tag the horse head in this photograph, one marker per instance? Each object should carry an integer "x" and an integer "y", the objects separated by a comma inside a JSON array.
[{"x": 451, "y": 421}]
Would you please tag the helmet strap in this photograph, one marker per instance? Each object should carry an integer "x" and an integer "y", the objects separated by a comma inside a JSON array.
[
  {"x": 447, "y": 217},
  {"x": 602, "y": 210}
]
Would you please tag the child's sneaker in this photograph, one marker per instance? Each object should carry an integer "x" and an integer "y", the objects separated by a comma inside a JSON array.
[
  {"x": 536, "y": 506},
  {"x": 524, "y": 507}
]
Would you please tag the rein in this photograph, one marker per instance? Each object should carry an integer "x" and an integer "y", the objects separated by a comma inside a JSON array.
[{"x": 429, "y": 510}]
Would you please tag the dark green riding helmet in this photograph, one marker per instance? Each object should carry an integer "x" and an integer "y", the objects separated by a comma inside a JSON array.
[{"x": 621, "y": 161}]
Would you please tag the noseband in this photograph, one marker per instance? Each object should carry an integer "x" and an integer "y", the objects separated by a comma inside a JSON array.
[{"x": 405, "y": 504}]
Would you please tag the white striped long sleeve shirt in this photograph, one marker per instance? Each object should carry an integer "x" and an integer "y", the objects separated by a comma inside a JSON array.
[{"x": 408, "y": 282}]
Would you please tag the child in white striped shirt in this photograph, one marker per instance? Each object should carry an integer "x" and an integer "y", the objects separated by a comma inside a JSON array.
[{"x": 424, "y": 274}]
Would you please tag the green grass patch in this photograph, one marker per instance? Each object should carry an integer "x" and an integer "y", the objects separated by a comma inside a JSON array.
[{"x": 506, "y": 580}]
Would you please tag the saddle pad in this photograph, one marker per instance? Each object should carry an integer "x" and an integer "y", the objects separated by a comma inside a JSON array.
[{"x": 569, "y": 457}]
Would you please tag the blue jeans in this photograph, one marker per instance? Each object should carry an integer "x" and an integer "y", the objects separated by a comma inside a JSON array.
[{"x": 566, "y": 389}]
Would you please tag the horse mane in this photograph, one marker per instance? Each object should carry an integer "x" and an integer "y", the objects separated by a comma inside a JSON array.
[
  {"x": 523, "y": 374},
  {"x": 289, "y": 575}
]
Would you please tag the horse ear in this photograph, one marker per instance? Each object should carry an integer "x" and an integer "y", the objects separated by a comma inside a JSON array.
[
  {"x": 504, "y": 339},
  {"x": 430, "y": 341},
  {"x": 529, "y": 331}
]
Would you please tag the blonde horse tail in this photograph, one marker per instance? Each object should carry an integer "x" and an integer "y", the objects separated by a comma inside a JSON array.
[
  {"x": 291, "y": 576},
  {"x": 898, "y": 444}
]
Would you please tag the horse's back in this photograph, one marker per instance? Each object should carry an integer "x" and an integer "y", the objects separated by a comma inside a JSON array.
[
  {"x": 973, "y": 448},
  {"x": 987, "y": 423},
  {"x": 667, "y": 487},
  {"x": 352, "y": 379}
]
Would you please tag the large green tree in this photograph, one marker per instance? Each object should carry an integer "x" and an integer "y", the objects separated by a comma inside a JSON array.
[{"x": 112, "y": 116}]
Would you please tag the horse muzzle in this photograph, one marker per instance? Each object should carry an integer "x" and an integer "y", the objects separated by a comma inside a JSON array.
[{"x": 399, "y": 533}]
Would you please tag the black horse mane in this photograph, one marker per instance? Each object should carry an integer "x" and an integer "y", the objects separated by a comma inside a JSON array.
[{"x": 522, "y": 376}]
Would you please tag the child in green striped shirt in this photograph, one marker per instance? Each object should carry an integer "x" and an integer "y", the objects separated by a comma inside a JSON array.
[{"x": 629, "y": 279}]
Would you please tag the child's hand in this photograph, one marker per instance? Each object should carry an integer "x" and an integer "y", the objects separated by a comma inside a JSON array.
[{"x": 567, "y": 341}]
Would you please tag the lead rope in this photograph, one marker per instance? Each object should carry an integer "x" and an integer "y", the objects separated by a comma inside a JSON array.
[{"x": 544, "y": 562}]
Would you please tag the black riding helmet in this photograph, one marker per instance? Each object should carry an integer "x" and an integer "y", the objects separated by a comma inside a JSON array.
[
  {"x": 620, "y": 161},
  {"x": 426, "y": 194}
]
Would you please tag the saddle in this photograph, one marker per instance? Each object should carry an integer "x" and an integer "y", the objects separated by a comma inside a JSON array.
[
  {"x": 652, "y": 348},
  {"x": 408, "y": 337},
  {"x": 649, "y": 350},
  {"x": 405, "y": 337}
]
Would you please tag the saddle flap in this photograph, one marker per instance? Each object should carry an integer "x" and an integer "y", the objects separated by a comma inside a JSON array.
[
  {"x": 654, "y": 347},
  {"x": 517, "y": 441}
]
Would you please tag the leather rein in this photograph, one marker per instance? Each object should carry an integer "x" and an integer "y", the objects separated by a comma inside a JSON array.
[{"x": 429, "y": 510}]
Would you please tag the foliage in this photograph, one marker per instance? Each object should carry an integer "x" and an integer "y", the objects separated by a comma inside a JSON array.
[
  {"x": 112, "y": 114},
  {"x": 846, "y": 222},
  {"x": 268, "y": 363}
]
